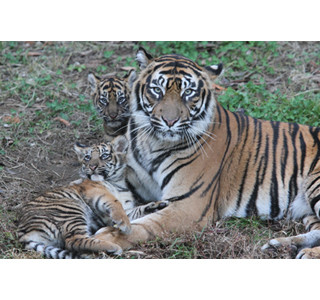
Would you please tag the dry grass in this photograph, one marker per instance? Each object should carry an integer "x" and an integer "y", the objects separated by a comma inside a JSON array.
[{"x": 42, "y": 81}]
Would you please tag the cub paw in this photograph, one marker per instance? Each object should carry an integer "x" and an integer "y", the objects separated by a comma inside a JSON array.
[{"x": 123, "y": 225}]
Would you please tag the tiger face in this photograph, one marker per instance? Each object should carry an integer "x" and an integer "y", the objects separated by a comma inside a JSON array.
[
  {"x": 173, "y": 96},
  {"x": 111, "y": 100},
  {"x": 104, "y": 161}
]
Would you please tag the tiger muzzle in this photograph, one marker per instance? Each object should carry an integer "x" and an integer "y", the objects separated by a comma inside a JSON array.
[{"x": 170, "y": 109}]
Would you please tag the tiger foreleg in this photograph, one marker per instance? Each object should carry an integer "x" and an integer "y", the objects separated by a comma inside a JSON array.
[
  {"x": 143, "y": 210},
  {"x": 173, "y": 218},
  {"x": 118, "y": 215},
  {"x": 107, "y": 205}
]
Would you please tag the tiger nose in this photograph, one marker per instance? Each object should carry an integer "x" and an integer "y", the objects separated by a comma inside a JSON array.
[
  {"x": 93, "y": 167},
  {"x": 170, "y": 123}
]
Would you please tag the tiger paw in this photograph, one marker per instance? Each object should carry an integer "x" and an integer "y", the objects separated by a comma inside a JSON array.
[
  {"x": 123, "y": 225},
  {"x": 309, "y": 253},
  {"x": 300, "y": 242},
  {"x": 276, "y": 243},
  {"x": 155, "y": 206},
  {"x": 120, "y": 219},
  {"x": 115, "y": 237}
]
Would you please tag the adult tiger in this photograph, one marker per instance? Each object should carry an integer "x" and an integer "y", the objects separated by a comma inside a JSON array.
[{"x": 211, "y": 163}]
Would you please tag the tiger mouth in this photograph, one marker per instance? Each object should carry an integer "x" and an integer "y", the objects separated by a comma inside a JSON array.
[
  {"x": 99, "y": 174},
  {"x": 164, "y": 133},
  {"x": 110, "y": 120},
  {"x": 169, "y": 131}
]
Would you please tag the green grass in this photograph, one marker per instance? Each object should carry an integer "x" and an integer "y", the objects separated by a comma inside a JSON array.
[{"x": 260, "y": 103}]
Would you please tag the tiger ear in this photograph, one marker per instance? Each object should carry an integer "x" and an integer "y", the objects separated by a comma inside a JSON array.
[
  {"x": 143, "y": 58},
  {"x": 130, "y": 77},
  {"x": 120, "y": 144},
  {"x": 80, "y": 149},
  {"x": 214, "y": 71},
  {"x": 93, "y": 82}
]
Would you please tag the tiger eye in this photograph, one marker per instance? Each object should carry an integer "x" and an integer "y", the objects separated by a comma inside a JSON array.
[
  {"x": 188, "y": 92},
  {"x": 104, "y": 156},
  {"x": 157, "y": 90},
  {"x": 103, "y": 101}
]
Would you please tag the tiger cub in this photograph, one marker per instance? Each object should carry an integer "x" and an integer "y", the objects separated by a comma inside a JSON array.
[
  {"x": 111, "y": 100},
  {"x": 106, "y": 163},
  {"x": 61, "y": 222}
]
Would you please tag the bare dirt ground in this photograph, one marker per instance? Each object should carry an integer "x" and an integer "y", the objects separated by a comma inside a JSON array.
[{"x": 42, "y": 81}]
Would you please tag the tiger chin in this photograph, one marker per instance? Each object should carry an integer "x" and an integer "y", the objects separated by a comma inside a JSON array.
[
  {"x": 210, "y": 163},
  {"x": 111, "y": 100}
]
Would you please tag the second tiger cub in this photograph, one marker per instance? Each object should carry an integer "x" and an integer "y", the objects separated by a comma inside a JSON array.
[{"x": 106, "y": 163}]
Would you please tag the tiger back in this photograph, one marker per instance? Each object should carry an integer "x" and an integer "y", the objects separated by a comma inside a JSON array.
[
  {"x": 111, "y": 100},
  {"x": 61, "y": 223}
]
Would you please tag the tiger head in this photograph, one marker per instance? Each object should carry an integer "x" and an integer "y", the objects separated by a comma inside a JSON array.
[
  {"x": 104, "y": 161},
  {"x": 173, "y": 96},
  {"x": 111, "y": 97}
]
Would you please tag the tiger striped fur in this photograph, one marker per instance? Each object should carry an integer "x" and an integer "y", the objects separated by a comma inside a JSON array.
[
  {"x": 210, "y": 163},
  {"x": 61, "y": 222},
  {"x": 106, "y": 163},
  {"x": 111, "y": 100}
]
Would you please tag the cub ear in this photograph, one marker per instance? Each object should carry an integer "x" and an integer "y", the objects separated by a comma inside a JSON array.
[
  {"x": 120, "y": 144},
  {"x": 214, "y": 71},
  {"x": 80, "y": 149},
  {"x": 93, "y": 82},
  {"x": 143, "y": 58},
  {"x": 130, "y": 77}
]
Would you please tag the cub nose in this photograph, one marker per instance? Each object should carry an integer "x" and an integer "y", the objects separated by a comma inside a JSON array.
[
  {"x": 93, "y": 167},
  {"x": 169, "y": 122},
  {"x": 113, "y": 116}
]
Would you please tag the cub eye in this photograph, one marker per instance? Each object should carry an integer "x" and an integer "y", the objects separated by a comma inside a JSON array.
[
  {"x": 87, "y": 157},
  {"x": 103, "y": 100},
  {"x": 121, "y": 100},
  {"x": 188, "y": 92},
  {"x": 105, "y": 156}
]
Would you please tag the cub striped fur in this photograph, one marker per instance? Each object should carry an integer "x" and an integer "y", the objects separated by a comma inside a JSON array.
[{"x": 61, "y": 223}]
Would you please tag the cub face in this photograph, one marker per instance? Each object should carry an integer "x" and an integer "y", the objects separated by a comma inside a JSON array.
[
  {"x": 104, "y": 161},
  {"x": 111, "y": 98}
]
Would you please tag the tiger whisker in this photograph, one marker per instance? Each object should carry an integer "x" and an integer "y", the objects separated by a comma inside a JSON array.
[{"x": 203, "y": 151}]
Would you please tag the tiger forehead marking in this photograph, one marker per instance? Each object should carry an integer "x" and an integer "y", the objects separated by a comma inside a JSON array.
[{"x": 112, "y": 86}]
